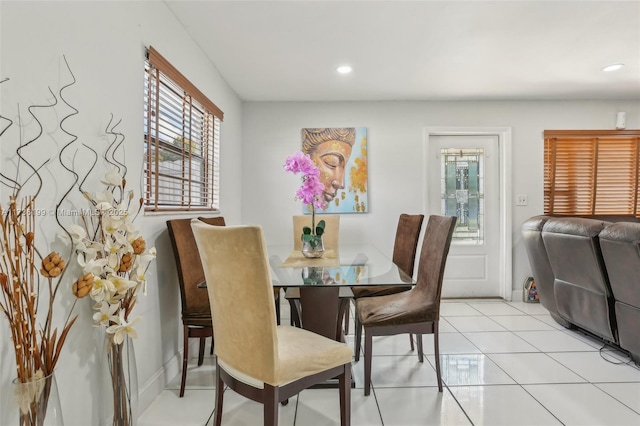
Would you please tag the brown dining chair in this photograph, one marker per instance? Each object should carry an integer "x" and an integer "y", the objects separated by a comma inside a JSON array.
[
  {"x": 414, "y": 311},
  {"x": 254, "y": 357},
  {"x": 196, "y": 313},
  {"x": 404, "y": 256}
]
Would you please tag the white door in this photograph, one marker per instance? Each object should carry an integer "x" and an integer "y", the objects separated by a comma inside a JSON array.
[{"x": 464, "y": 181}]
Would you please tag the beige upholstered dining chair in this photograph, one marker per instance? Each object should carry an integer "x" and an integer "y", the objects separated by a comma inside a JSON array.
[
  {"x": 255, "y": 357},
  {"x": 414, "y": 311},
  {"x": 196, "y": 313},
  {"x": 331, "y": 234},
  {"x": 405, "y": 248},
  {"x": 330, "y": 240}
]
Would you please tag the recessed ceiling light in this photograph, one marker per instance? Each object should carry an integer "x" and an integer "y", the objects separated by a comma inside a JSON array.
[
  {"x": 612, "y": 67},
  {"x": 344, "y": 69}
]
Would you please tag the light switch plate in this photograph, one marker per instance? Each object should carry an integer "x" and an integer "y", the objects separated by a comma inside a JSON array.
[{"x": 522, "y": 200}]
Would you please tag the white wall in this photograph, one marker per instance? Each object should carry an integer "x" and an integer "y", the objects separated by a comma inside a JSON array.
[
  {"x": 395, "y": 140},
  {"x": 104, "y": 43}
]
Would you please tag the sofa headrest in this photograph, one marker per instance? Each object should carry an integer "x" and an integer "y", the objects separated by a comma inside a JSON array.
[
  {"x": 535, "y": 223},
  {"x": 578, "y": 226},
  {"x": 622, "y": 231}
]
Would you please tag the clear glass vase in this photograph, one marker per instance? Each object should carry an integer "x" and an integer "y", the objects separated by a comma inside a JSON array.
[
  {"x": 120, "y": 383},
  {"x": 313, "y": 248},
  {"x": 33, "y": 403}
]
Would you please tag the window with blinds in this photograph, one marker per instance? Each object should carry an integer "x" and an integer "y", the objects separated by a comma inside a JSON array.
[
  {"x": 591, "y": 172},
  {"x": 182, "y": 141}
]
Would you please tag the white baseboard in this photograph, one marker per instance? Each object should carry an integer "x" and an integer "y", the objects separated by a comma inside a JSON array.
[
  {"x": 158, "y": 382},
  {"x": 517, "y": 295}
]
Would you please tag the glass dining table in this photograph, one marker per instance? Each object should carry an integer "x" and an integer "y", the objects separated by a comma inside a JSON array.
[{"x": 324, "y": 283}]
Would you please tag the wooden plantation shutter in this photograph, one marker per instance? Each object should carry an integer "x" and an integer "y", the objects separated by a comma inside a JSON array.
[
  {"x": 589, "y": 172},
  {"x": 182, "y": 141}
]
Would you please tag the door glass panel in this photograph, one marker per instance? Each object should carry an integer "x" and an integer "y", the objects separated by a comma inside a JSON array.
[{"x": 462, "y": 192}]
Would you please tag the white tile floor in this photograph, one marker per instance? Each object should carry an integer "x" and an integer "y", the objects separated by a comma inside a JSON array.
[{"x": 503, "y": 363}]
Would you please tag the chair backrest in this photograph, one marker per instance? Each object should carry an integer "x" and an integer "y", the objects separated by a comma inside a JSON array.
[
  {"x": 331, "y": 230},
  {"x": 433, "y": 257},
  {"x": 241, "y": 294},
  {"x": 195, "y": 302},
  {"x": 406, "y": 243}
]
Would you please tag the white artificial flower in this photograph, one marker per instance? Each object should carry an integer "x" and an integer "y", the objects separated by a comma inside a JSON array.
[
  {"x": 123, "y": 328},
  {"x": 147, "y": 257},
  {"x": 121, "y": 240},
  {"x": 113, "y": 224},
  {"x": 138, "y": 275},
  {"x": 104, "y": 197},
  {"x": 78, "y": 234},
  {"x": 132, "y": 235},
  {"x": 112, "y": 178},
  {"x": 121, "y": 284},
  {"x": 102, "y": 289},
  {"x": 103, "y": 207},
  {"x": 113, "y": 251},
  {"x": 106, "y": 314}
]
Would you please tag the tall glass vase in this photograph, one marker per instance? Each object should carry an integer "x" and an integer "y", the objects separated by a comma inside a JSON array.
[
  {"x": 33, "y": 403},
  {"x": 120, "y": 382}
]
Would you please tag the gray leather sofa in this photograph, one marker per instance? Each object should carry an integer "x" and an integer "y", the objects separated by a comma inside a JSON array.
[{"x": 587, "y": 272}]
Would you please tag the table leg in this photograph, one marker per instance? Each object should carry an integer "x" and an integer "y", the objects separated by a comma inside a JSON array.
[
  {"x": 322, "y": 313},
  {"x": 320, "y": 308}
]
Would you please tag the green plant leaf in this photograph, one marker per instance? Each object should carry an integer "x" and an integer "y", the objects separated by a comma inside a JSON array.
[{"x": 306, "y": 230}]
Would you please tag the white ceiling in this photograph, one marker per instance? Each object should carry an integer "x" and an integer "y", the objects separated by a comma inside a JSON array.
[{"x": 419, "y": 50}]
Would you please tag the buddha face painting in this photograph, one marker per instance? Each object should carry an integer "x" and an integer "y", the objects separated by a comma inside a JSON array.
[
  {"x": 331, "y": 158},
  {"x": 330, "y": 149},
  {"x": 340, "y": 153}
]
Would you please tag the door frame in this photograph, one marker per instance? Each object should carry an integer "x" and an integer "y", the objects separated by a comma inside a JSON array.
[{"x": 504, "y": 152}]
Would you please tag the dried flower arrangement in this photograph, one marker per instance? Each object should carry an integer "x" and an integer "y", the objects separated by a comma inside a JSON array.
[
  {"x": 114, "y": 259},
  {"x": 25, "y": 301}
]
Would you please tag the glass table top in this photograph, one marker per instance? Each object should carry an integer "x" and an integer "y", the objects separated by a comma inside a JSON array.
[{"x": 350, "y": 265}]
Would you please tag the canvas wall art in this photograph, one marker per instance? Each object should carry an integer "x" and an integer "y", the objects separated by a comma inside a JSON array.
[{"x": 341, "y": 155}]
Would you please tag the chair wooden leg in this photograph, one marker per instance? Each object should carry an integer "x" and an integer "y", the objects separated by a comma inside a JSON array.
[
  {"x": 185, "y": 359},
  {"x": 270, "y": 405},
  {"x": 219, "y": 396},
  {"x": 346, "y": 318},
  {"x": 344, "y": 381},
  {"x": 278, "y": 310},
  {"x": 212, "y": 342},
  {"x": 295, "y": 313},
  {"x": 203, "y": 343},
  {"x": 368, "y": 346},
  {"x": 420, "y": 351},
  {"x": 358, "y": 339},
  {"x": 411, "y": 342},
  {"x": 436, "y": 346}
]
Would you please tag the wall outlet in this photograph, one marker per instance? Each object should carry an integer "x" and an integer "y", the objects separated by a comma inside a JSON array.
[{"x": 522, "y": 200}]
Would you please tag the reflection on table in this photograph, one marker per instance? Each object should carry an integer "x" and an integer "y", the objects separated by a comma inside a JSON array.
[
  {"x": 353, "y": 265},
  {"x": 319, "y": 281}
]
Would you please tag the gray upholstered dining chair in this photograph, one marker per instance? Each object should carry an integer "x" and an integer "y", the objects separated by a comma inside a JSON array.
[
  {"x": 414, "y": 311},
  {"x": 405, "y": 248},
  {"x": 255, "y": 357}
]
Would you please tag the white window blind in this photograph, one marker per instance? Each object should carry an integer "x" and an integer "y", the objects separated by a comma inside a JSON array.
[{"x": 182, "y": 141}]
